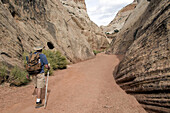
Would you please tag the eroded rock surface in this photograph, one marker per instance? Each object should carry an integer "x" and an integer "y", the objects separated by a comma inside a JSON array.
[
  {"x": 78, "y": 13},
  {"x": 145, "y": 70},
  {"x": 120, "y": 19},
  {"x": 24, "y": 23}
]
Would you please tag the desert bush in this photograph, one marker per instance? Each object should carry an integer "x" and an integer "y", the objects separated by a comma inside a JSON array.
[
  {"x": 18, "y": 76},
  {"x": 96, "y": 52},
  {"x": 24, "y": 55},
  {"x": 56, "y": 60},
  {"x": 3, "y": 73},
  {"x": 61, "y": 61},
  {"x": 3, "y": 70}
]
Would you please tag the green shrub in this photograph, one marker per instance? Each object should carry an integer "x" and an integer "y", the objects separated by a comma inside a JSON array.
[
  {"x": 3, "y": 73},
  {"x": 56, "y": 60},
  {"x": 61, "y": 61},
  {"x": 24, "y": 57},
  {"x": 96, "y": 52},
  {"x": 3, "y": 70},
  {"x": 18, "y": 76}
]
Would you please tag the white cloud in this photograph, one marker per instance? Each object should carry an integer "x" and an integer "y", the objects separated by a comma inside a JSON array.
[{"x": 102, "y": 12}]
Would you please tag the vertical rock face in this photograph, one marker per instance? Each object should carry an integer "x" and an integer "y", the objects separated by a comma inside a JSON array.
[
  {"x": 120, "y": 18},
  {"x": 24, "y": 23},
  {"x": 127, "y": 33},
  {"x": 118, "y": 22},
  {"x": 82, "y": 1},
  {"x": 78, "y": 13},
  {"x": 145, "y": 70}
]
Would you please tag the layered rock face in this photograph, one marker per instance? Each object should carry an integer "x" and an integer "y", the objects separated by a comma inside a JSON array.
[
  {"x": 129, "y": 30},
  {"x": 78, "y": 13},
  {"x": 145, "y": 70},
  {"x": 25, "y": 23},
  {"x": 121, "y": 17}
]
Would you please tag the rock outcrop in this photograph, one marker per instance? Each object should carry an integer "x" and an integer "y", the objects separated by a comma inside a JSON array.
[
  {"x": 78, "y": 13},
  {"x": 120, "y": 19},
  {"x": 145, "y": 69},
  {"x": 24, "y": 23}
]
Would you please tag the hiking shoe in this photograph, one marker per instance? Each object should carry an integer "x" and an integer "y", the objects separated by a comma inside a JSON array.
[{"x": 39, "y": 104}]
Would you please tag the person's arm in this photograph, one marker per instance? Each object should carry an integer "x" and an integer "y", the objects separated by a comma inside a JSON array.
[
  {"x": 47, "y": 66},
  {"x": 46, "y": 62}
]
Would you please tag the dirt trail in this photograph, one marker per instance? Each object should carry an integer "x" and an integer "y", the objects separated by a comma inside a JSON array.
[{"x": 86, "y": 87}]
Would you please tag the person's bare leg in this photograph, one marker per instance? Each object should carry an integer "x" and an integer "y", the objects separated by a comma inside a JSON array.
[
  {"x": 39, "y": 102},
  {"x": 38, "y": 92}
]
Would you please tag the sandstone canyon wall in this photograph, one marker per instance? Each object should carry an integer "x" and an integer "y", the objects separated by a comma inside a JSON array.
[
  {"x": 24, "y": 23},
  {"x": 118, "y": 22},
  {"x": 120, "y": 19},
  {"x": 94, "y": 35},
  {"x": 145, "y": 69}
]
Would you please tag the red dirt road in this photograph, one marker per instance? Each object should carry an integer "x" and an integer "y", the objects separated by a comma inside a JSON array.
[{"x": 85, "y": 87}]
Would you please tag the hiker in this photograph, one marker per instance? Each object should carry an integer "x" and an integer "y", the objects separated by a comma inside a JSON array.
[{"x": 38, "y": 77}]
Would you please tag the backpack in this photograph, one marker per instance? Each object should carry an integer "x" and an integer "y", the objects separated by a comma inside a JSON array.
[{"x": 33, "y": 65}]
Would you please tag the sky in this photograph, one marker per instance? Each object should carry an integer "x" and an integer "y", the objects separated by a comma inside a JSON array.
[{"x": 102, "y": 12}]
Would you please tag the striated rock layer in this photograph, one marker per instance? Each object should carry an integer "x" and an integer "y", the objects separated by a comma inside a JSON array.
[
  {"x": 24, "y": 23},
  {"x": 145, "y": 40}
]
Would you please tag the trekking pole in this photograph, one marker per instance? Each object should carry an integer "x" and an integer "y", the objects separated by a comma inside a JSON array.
[{"x": 48, "y": 73}]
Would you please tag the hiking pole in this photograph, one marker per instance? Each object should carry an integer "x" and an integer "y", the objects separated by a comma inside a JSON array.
[{"x": 48, "y": 73}]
